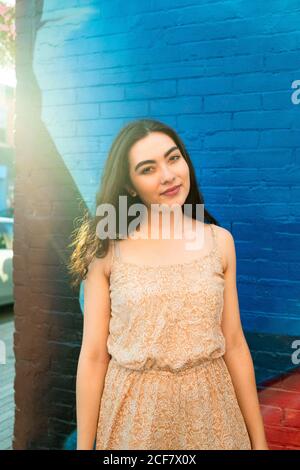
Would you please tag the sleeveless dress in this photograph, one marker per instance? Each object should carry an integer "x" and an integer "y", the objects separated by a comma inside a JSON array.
[{"x": 167, "y": 386}]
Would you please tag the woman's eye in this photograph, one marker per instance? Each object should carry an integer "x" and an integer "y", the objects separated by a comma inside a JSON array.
[{"x": 144, "y": 171}]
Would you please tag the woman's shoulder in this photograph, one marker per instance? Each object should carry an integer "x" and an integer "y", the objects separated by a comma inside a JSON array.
[
  {"x": 101, "y": 266},
  {"x": 224, "y": 235},
  {"x": 225, "y": 242}
]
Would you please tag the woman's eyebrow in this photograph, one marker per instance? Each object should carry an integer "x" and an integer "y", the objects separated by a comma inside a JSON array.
[{"x": 153, "y": 161}]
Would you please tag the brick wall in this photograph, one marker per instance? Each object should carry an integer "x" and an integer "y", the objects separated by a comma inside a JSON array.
[
  {"x": 221, "y": 73},
  {"x": 48, "y": 319}
]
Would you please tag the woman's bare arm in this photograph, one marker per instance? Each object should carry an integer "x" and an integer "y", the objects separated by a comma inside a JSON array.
[
  {"x": 94, "y": 357},
  {"x": 237, "y": 356}
]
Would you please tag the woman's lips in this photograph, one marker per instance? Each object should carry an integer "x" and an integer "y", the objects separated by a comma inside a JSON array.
[{"x": 173, "y": 192}]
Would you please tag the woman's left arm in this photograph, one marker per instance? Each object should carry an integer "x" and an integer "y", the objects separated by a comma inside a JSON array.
[{"x": 237, "y": 355}]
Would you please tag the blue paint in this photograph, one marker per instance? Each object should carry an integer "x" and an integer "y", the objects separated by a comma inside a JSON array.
[{"x": 221, "y": 74}]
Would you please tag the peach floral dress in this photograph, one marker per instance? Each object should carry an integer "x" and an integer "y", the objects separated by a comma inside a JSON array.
[{"x": 167, "y": 386}]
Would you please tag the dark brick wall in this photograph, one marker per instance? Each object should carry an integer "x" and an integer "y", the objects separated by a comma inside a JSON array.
[{"x": 48, "y": 320}]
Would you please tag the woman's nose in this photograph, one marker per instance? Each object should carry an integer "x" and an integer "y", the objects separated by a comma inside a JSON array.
[{"x": 167, "y": 174}]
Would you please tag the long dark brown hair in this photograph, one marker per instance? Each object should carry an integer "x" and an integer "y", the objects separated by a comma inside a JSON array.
[{"x": 115, "y": 177}]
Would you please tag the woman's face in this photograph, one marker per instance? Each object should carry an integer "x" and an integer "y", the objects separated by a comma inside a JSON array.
[{"x": 166, "y": 168}]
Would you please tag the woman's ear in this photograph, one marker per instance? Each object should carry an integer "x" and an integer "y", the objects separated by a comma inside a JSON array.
[{"x": 130, "y": 190}]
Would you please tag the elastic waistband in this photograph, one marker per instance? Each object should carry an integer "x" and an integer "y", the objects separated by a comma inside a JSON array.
[{"x": 203, "y": 363}]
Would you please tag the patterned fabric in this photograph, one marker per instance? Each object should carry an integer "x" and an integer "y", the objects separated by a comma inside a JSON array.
[{"x": 167, "y": 386}]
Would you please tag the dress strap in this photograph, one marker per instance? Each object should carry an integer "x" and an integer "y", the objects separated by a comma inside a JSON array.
[
  {"x": 112, "y": 245},
  {"x": 215, "y": 243},
  {"x": 213, "y": 235},
  {"x": 117, "y": 249},
  {"x": 114, "y": 251}
]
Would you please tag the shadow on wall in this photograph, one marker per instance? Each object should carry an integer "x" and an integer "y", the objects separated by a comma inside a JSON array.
[
  {"x": 51, "y": 185},
  {"x": 71, "y": 441}
]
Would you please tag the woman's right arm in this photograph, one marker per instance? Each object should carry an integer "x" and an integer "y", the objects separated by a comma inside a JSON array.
[{"x": 94, "y": 357}]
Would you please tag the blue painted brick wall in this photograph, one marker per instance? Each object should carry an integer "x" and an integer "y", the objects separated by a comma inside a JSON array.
[{"x": 221, "y": 73}]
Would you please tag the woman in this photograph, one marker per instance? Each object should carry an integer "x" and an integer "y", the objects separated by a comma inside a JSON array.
[{"x": 164, "y": 363}]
